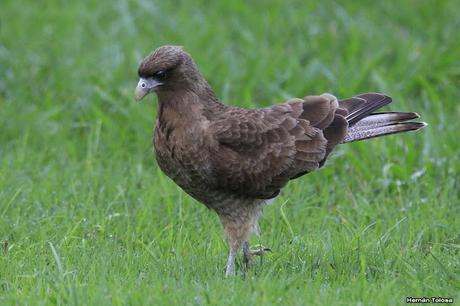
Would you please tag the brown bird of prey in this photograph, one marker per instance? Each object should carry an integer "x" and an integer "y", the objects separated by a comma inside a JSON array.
[{"x": 233, "y": 159}]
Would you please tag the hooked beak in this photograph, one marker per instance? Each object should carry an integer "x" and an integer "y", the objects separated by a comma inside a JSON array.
[{"x": 144, "y": 87}]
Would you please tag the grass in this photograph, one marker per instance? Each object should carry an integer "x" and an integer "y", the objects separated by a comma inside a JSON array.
[{"x": 86, "y": 217}]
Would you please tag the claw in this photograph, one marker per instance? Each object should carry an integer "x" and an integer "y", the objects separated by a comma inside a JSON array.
[{"x": 260, "y": 251}]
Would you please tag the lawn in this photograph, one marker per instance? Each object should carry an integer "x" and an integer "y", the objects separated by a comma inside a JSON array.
[{"x": 87, "y": 217}]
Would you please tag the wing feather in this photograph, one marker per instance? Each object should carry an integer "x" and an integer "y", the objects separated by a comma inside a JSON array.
[{"x": 259, "y": 151}]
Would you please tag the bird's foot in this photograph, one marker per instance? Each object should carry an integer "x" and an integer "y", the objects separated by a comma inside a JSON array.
[{"x": 258, "y": 250}]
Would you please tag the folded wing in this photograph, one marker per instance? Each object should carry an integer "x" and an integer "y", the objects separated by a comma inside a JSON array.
[{"x": 260, "y": 150}]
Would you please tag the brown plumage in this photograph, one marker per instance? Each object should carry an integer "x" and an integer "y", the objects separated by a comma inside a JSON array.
[{"x": 233, "y": 159}]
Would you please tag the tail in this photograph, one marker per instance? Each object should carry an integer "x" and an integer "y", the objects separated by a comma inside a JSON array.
[{"x": 364, "y": 124}]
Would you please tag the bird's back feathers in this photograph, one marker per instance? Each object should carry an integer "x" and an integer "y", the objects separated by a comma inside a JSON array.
[{"x": 259, "y": 151}]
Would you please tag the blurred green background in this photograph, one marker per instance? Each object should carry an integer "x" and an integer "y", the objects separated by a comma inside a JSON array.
[{"x": 86, "y": 217}]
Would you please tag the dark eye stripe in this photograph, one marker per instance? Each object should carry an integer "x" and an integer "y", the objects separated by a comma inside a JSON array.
[{"x": 160, "y": 74}]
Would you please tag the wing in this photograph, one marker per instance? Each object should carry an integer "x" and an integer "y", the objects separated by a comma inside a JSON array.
[{"x": 259, "y": 151}]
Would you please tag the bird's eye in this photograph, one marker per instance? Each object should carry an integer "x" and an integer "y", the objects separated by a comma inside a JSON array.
[{"x": 143, "y": 85}]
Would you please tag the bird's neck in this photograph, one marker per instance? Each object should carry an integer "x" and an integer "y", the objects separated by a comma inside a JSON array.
[{"x": 185, "y": 107}]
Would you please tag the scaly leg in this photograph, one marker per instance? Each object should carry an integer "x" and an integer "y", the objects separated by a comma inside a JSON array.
[
  {"x": 231, "y": 259},
  {"x": 246, "y": 255}
]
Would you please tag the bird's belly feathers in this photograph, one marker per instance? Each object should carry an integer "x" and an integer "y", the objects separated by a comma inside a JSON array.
[{"x": 185, "y": 161}]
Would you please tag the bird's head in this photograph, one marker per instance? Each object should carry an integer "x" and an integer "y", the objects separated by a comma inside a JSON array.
[{"x": 168, "y": 68}]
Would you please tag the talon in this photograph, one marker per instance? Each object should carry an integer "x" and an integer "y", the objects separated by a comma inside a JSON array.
[{"x": 260, "y": 251}]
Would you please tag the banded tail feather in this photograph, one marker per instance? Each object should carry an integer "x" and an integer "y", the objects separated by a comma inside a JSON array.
[{"x": 365, "y": 124}]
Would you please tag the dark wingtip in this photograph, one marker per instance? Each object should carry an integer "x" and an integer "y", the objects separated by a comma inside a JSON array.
[
  {"x": 374, "y": 101},
  {"x": 419, "y": 125},
  {"x": 373, "y": 95},
  {"x": 412, "y": 126},
  {"x": 411, "y": 115}
]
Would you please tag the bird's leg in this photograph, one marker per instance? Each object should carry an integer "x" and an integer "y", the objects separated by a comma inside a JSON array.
[
  {"x": 231, "y": 258},
  {"x": 239, "y": 220},
  {"x": 246, "y": 255}
]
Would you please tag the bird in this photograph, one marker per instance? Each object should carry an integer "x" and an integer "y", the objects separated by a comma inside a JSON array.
[{"x": 234, "y": 160}]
